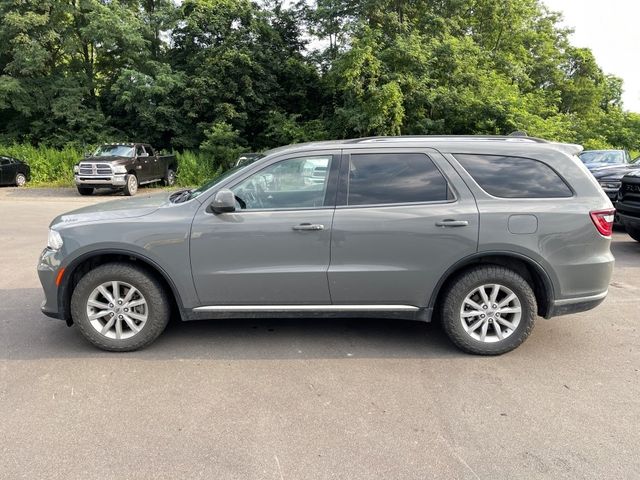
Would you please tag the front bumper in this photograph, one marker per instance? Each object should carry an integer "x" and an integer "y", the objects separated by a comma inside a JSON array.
[
  {"x": 48, "y": 269},
  {"x": 116, "y": 180}
]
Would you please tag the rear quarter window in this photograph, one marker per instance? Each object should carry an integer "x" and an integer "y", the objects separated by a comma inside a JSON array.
[{"x": 514, "y": 177}]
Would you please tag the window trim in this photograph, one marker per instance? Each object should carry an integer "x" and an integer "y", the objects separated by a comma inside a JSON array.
[
  {"x": 329, "y": 202},
  {"x": 343, "y": 181},
  {"x": 559, "y": 175}
]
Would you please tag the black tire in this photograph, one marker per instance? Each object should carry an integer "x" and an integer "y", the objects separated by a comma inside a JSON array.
[
  {"x": 85, "y": 190},
  {"x": 633, "y": 232},
  {"x": 131, "y": 185},
  {"x": 463, "y": 285},
  {"x": 152, "y": 291},
  {"x": 170, "y": 178},
  {"x": 20, "y": 180}
]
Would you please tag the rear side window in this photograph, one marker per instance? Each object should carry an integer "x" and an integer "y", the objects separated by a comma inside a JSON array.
[
  {"x": 382, "y": 178},
  {"x": 514, "y": 177}
]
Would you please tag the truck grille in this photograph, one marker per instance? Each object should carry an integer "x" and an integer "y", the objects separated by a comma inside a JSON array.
[{"x": 95, "y": 169}]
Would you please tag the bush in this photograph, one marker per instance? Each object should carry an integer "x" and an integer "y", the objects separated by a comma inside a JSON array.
[
  {"x": 196, "y": 168},
  {"x": 49, "y": 166},
  {"x": 53, "y": 167}
]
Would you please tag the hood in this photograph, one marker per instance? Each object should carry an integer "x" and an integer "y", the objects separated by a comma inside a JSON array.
[
  {"x": 113, "y": 159},
  {"x": 113, "y": 210},
  {"x": 614, "y": 171}
]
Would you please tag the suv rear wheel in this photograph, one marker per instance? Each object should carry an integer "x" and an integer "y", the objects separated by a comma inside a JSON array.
[
  {"x": 489, "y": 310},
  {"x": 119, "y": 307}
]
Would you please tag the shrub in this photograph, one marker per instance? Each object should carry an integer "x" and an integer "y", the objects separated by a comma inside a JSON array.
[{"x": 53, "y": 167}]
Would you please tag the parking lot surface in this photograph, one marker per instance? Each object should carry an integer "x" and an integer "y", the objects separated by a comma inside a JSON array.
[{"x": 309, "y": 399}]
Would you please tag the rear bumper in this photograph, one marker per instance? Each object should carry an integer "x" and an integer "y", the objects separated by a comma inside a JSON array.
[
  {"x": 576, "y": 305},
  {"x": 100, "y": 180}
]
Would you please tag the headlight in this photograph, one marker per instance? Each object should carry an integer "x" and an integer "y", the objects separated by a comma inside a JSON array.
[
  {"x": 54, "y": 242},
  {"x": 119, "y": 169},
  {"x": 610, "y": 185},
  {"x": 76, "y": 169}
]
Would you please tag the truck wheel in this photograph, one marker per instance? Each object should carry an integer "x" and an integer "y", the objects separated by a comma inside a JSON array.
[
  {"x": 170, "y": 178},
  {"x": 488, "y": 310},
  {"x": 119, "y": 307},
  {"x": 131, "y": 185},
  {"x": 85, "y": 190},
  {"x": 633, "y": 233}
]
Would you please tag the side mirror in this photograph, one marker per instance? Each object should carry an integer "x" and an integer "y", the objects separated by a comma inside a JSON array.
[{"x": 224, "y": 201}]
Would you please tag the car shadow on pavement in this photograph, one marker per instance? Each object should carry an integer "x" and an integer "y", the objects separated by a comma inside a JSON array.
[{"x": 25, "y": 333}]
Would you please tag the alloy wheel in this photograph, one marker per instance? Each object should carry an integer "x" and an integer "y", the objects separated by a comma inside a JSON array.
[
  {"x": 117, "y": 310},
  {"x": 490, "y": 313}
]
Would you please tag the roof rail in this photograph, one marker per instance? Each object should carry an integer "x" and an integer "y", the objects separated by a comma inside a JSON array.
[{"x": 462, "y": 138}]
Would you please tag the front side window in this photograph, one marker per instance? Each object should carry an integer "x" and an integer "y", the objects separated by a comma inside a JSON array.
[
  {"x": 293, "y": 183},
  {"x": 514, "y": 177},
  {"x": 383, "y": 178}
]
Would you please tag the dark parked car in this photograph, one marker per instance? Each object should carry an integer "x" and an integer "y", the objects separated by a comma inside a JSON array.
[
  {"x": 594, "y": 159},
  {"x": 610, "y": 178},
  {"x": 628, "y": 205},
  {"x": 14, "y": 171},
  {"x": 484, "y": 232},
  {"x": 124, "y": 166}
]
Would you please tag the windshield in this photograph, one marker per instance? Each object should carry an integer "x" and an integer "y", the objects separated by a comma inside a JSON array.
[
  {"x": 114, "y": 151},
  {"x": 609, "y": 157}
]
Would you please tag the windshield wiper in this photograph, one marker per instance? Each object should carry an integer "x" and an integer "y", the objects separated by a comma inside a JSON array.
[{"x": 180, "y": 196}]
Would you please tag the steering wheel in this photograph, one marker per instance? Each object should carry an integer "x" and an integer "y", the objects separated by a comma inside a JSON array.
[{"x": 241, "y": 202}]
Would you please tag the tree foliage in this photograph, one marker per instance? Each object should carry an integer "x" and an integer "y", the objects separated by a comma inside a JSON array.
[{"x": 226, "y": 76}]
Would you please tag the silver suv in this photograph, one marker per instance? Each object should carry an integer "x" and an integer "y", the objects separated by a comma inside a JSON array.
[{"x": 483, "y": 233}]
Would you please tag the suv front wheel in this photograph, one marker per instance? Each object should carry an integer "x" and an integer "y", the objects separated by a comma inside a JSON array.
[
  {"x": 489, "y": 310},
  {"x": 119, "y": 307}
]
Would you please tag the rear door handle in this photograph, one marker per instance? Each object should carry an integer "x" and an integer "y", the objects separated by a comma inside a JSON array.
[
  {"x": 452, "y": 223},
  {"x": 309, "y": 226}
]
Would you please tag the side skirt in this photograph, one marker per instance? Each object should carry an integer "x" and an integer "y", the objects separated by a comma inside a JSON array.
[{"x": 401, "y": 312}]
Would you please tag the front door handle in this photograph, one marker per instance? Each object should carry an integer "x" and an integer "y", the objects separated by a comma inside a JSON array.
[
  {"x": 449, "y": 222},
  {"x": 309, "y": 226}
]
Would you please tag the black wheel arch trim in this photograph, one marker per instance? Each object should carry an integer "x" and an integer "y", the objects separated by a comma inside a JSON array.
[
  {"x": 63, "y": 290},
  {"x": 478, "y": 256}
]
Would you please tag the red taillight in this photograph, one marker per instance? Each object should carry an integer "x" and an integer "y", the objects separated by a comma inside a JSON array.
[{"x": 603, "y": 220}]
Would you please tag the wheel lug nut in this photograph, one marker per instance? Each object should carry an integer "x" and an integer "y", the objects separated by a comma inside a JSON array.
[
  {"x": 120, "y": 317},
  {"x": 482, "y": 315},
  {"x": 484, "y": 306},
  {"x": 119, "y": 302},
  {"x": 494, "y": 306},
  {"x": 126, "y": 309},
  {"x": 111, "y": 305}
]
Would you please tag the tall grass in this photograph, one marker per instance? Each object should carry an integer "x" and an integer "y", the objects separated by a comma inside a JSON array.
[{"x": 51, "y": 167}]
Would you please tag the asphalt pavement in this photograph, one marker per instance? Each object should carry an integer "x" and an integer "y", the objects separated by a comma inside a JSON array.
[{"x": 309, "y": 399}]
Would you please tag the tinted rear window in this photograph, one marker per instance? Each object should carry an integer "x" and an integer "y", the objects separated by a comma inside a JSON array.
[
  {"x": 514, "y": 177},
  {"x": 382, "y": 178}
]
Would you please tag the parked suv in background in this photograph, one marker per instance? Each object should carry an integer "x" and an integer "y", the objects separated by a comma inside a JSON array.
[
  {"x": 14, "y": 171},
  {"x": 628, "y": 204},
  {"x": 482, "y": 232},
  {"x": 595, "y": 159},
  {"x": 124, "y": 166}
]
